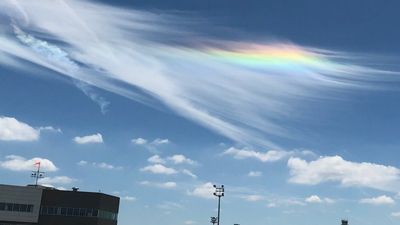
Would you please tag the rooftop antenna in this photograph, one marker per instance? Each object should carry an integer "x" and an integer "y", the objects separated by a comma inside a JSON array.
[{"x": 37, "y": 174}]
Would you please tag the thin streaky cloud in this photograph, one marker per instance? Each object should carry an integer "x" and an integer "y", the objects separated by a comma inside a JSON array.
[{"x": 242, "y": 90}]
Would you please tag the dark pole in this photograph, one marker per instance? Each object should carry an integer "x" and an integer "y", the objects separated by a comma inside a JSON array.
[
  {"x": 37, "y": 174},
  {"x": 219, "y": 208},
  {"x": 219, "y": 192}
]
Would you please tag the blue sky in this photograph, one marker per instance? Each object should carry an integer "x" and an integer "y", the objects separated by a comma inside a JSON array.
[{"x": 292, "y": 106}]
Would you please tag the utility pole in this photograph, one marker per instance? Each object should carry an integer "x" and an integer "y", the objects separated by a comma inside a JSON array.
[
  {"x": 219, "y": 192},
  {"x": 37, "y": 174}
]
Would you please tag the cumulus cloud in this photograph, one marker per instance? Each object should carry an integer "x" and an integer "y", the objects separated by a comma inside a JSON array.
[
  {"x": 13, "y": 130},
  {"x": 82, "y": 163},
  {"x": 156, "y": 159},
  {"x": 181, "y": 159},
  {"x": 56, "y": 180},
  {"x": 253, "y": 198},
  {"x": 89, "y": 139},
  {"x": 107, "y": 166},
  {"x": 164, "y": 185},
  {"x": 159, "y": 169},
  {"x": 317, "y": 199},
  {"x": 205, "y": 190},
  {"x": 101, "y": 165},
  {"x": 395, "y": 214},
  {"x": 268, "y": 156},
  {"x": 273, "y": 203},
  {"x": 189, "y": 173},
  {"x": 244, "y": 100},
  {"x": 380, "y": 200},
  {"x": 128, "y": 198},
  {"x": 19, "y": 163},
  {"x": 175, "y": 159},
  {"x": 254, "y": 174},
  {"x": 139, "y": 141},
  {"x": 336, "y": 169},
  {"x": 160, "y": 141},
  {"x": 313, "y": 199},
  {"x": 51, "y": 129}
]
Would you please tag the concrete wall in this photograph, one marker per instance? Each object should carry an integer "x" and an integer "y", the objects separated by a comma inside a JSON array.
[{"x": 20, "y": 195}]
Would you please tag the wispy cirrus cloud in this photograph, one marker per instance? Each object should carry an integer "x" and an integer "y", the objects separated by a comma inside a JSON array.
[{"x": 242, "y": 90}]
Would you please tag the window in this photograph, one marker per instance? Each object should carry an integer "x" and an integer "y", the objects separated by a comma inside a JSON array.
[
  {"x": 69, "y": 211},
  {"x": 82, "y": 212},
  {"x": 89, "y": 212},
  {"x": 23, "y": 208},
  {"x": 9, "y": 206},
  {"x": 29, "y": 208},
  {"x": 16, "y": 207},
  {"x": 44, "y": 210},
  {"x": 76, "y": 212},
  {"x": 95, "y": 212},
  {"x": 64, "y": 211},
  {"x": 2, "y": 206}
]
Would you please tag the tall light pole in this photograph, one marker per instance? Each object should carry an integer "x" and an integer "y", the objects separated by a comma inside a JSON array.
[
  {"x": 214, "y": 220},
  {"x": 219, "y": 192}
]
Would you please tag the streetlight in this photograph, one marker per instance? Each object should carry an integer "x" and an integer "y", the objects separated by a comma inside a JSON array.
[
  {"x": 219, "y": 192},
  {"x": 213, "y": 220}
]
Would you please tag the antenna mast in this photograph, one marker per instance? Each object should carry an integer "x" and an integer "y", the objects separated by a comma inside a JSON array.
[{"x": 37, "y": 174}]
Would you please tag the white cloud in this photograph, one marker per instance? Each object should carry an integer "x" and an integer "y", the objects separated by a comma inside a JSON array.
[
  {"x": 238, "y": 101},
  {"x": 89, "y": 91},
  {"x": 380, "y": 200},
  {"x": 51, "y": 129},
  {"x": 181, "y": 159},
  {"x": 274, "y": 203},
  {"x": 56, "y": 180},
  {"x": 101, "y": 165},
  {"x": 268, "y": 156},
  {"x": 169, "y": 205},
  {"x": 189, "y": 173},
  {"x": 254, "y": 174},
  {"x": 159, "y": 169},
  {"x": 13, "y": 130},
  {"x": 395, "y": 214},
  {"x": 345, "y": 172},
  {"x": 190, "y": 222},
  {"x": 18, "y": 163},
  {"x": 313, "y": 199},
  {"x": 139, "y": 141},
  {"x": 160, "y": 141},
  {"x": 82, "y": 163},
  {"x": 156, "y": 159},
  {"x": 128, "y": 198},
  {"x": 107, "y": 166},
  {"x": 205, "y": 190},
  {"x": 150, "y": 145},
  {"x": 253, "y": 198},
  {"x": 89, "y": 139},
  {"x": 164, "y": 185}
]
